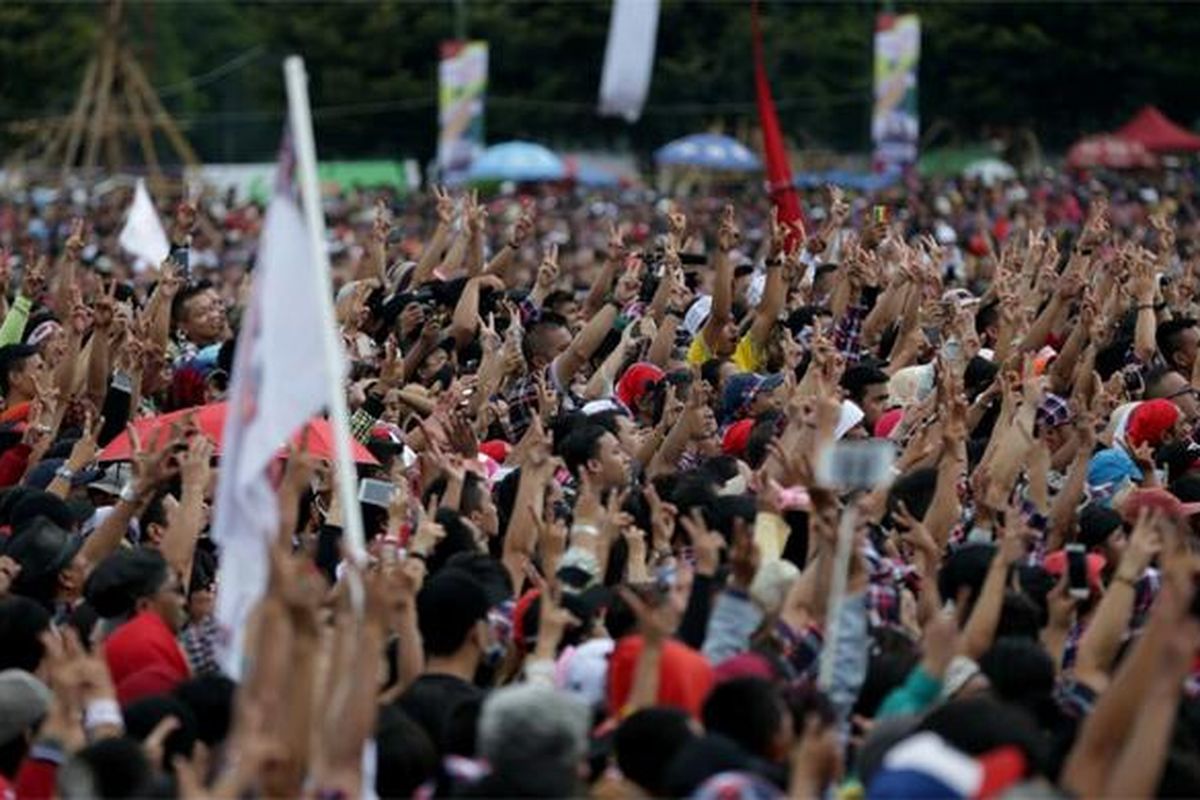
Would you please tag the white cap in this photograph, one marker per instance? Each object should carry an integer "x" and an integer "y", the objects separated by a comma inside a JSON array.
[{"x": 848, "y": 417}]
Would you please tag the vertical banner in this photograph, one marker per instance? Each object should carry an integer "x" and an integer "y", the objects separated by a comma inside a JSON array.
[
  {"x": 895, "y": 125},
  {"x": 779, "y": 170},
  {"x": 462, "y": 82},
  {"x": 628, "y": 58}
]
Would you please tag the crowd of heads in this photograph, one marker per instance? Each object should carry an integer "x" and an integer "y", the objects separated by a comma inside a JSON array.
[{"x": 679, "y": 499}]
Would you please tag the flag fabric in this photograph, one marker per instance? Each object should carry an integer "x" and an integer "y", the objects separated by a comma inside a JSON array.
[
  {"x": 143, "y": 235},
  {"x": 280, "y": 380},
  {"x": 628, "y": 58},
  {"x": 895, "y": 118},
  {"x": 779, "y": 171}
]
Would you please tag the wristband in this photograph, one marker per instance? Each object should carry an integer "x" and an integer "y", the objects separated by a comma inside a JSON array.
[
  {"x": 102, "y": 712},
  {"x": 585, "y": 528}
]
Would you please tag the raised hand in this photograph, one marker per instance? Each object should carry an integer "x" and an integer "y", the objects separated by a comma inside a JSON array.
[{"x": 729, "y": 236}]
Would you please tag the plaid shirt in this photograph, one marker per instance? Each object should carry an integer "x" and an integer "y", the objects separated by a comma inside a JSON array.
[
  {"x": 200, "y": 643},
  {"x": 888, "y": 578},
  {"x": 801, "y": 651},
  {"x": 1144, "y": 592},
  {"x": 847, "y": 334},
  {"x": 522, "y": 400}
]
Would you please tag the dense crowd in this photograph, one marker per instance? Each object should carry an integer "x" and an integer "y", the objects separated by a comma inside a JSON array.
[{"x": 608, "y": 561}]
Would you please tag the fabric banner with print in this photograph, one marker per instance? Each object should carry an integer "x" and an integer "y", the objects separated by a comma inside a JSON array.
[
  {"x": 628, "y": 58},
  {"x": 279, "y": 381},
  {"x": 462, "y": 83},
  {"x": 895, "y": 124}
]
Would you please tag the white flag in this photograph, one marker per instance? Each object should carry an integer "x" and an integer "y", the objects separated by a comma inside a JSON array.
[
  {"x": 280, "y": 380},
  {"x": 628, "y": 58},
  {"x": 143, "y": 235}
]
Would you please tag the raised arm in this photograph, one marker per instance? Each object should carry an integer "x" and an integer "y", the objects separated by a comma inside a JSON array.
[
  {"x": 728, "y": 237},
  {"x": 431, "y": 256}
]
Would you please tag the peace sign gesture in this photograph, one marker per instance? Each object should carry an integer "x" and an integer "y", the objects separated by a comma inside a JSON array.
[{"x": 445, "y": 205}]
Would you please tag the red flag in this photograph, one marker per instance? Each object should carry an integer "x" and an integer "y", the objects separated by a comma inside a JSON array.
[{"x": 779, "y": 172}]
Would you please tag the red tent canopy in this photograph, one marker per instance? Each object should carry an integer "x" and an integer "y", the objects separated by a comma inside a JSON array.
[
  {"x": 1151, "y": 129},
  {"x": 1110, "y": 152}
]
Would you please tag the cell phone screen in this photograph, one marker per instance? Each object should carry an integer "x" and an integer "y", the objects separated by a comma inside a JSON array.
[
  {"x": 1077, "y": 580},
  {"x": 375, "y": 492}
]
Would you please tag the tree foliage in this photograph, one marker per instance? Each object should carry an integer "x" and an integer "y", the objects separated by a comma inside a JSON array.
[{"x": 1058, "y": 69}]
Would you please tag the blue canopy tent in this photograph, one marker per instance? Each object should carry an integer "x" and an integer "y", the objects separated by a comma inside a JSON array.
[
  {"x": 707, "y": 151},
  {"x": 859, "y": 181},
  {"x": 517, "y": 161}
]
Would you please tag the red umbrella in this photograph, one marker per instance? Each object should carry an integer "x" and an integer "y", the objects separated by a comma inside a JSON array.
[{"x": 155, "y": 432}]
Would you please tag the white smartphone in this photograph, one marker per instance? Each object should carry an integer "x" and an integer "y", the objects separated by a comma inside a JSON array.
[
  {"x": 375, "y": 492},
  {"x": 856, "y": 465}
]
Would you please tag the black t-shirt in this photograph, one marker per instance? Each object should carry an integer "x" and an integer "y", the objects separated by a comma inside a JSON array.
[{"x": 432, "y": 701}]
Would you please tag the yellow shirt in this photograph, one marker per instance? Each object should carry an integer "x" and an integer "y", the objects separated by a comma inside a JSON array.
[{"x": 747, "y": 356}]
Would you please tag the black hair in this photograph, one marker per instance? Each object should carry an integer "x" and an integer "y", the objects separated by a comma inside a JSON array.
[
  {"x": 557, "y": 297},
  {"x": 1167, "y": 337},
  {"x": 887, "y": 668},
  {"x": 915, "y": 489},
  {"x": 747, "y": 710},
  {"x": 646, "y": 741},
  {"x": 405, "y": 755},
  {"x": 143, "y": 716},
  {"x": 580, "y": 446},
  {"x": 458, "y": 539},
  {"x": 179, "y": 303},
  {"x": 857, "y": 378},
  {"x": 22, "y": 623},
  {"x": 1020, "y": 672},
  {"x": 535, "y": 333},
  {"x": 978, "y": 724},
  {"x": 113, "y": 768},
  {"x": 155, "y": 512},
  {"x": 210, "y": 698},
  {"x": 987, "y": 316},
  {"x": 12, "y": 359}
]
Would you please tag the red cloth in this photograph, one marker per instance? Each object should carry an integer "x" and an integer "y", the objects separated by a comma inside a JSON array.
[
  {"x": 779, "y": 170},
  {"x": 887, "y": 422},
  {"x": 737, "y": 436},
  {"x": 13, "y": 463},
  {"x": 1151, "y": 421},
  {"x": 684, "y": 679},
  {"x": 144, "y": 642},
  {"x": 1056, "y": 564},
  {"x": 495, "y": 449},
  {"x": 633, "y": 385},
  {"x": 36, "y": 779}
]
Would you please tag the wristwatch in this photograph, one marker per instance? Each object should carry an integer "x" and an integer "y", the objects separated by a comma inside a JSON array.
[{"x": 65, "y": 472}]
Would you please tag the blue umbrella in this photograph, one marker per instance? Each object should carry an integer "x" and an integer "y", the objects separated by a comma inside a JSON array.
[
  {"x": 708, "y": 151},
  {"x": 517, "y": 161}
]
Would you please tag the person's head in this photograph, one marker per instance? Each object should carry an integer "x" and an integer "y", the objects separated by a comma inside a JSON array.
[
  {"x": 19, "y": 365},
  {"x": 1155, "y": 422},
  {"x": 645, "y": 743},
  {"x": 131, "y": 581},
  {"x": 1101, "y": 531},
  {"x": 535, "y": 739},
  {"x": 751, "y": 712},
  {"x": 202, "y": 587},
  {"x": 623, "y": 427},
  {"x": 1169, "y": 384},
  {"x": 142, "y": 716},
  {"x": 1177, "y": 340},
  {"x": 199, "y": 314},
  {"x": 823, "y": 277},
  {"x": 115, "y": 768},
  {"x": 52, "y": 568},
  {"x": 563, "y": 303},
  {"x": 987, "y": 323},
  {"x": 477, "y": 505},
  {"x": 979, "y": 723},
  {"x": 592, "y": 451},
  {"x": 452, "y": 614},
  {"x": 867, "y": 385},
  {"x": 152, "y": 524},
  {"x": 210, "y": 699},
  {"x": 405, "y": 756},
  {"x": 545, "y": 340},
  {"x": 22, "y": 624},
  {"x": 1020, "y": 671}
]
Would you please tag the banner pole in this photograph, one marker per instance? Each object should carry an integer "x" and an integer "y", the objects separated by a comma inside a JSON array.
[{"x": 300, "y": 118}]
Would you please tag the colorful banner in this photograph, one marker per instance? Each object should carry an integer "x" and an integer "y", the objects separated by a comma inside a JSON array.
[
  {"x": 462, "y": 82},
  {"x": 895, "y": 125}
]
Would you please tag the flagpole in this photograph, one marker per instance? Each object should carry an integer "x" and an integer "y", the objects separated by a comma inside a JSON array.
[{"x": 300, "y": 117}]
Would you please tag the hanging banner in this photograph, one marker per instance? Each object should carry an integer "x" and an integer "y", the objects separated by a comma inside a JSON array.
[
  {"x": 895, "y": 125},
  {"x": 628, "y": 58},
  {"x": 462, "y": 83}
]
